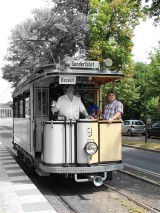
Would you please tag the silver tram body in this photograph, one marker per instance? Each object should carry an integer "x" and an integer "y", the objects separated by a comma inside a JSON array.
[{"x": 89, "y": 147}]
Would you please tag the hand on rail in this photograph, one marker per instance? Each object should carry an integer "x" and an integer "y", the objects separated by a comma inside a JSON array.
[
  {"x": 110, "y": 120},
  {"x": 90, "y": 117}
]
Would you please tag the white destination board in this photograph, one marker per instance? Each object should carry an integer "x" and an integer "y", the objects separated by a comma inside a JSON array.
[
  {"x": 67, "y": 79},
  {"x": 84, "y": 64}
]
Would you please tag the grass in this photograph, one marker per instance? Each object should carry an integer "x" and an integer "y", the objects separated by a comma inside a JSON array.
[
  {"x": 140, "y": 144},
  {"x": 132, "y": 209}
]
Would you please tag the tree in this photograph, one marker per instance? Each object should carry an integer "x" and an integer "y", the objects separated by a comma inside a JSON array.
[
  {"x": 147, "y": 77},
  {"x": 7, "y": 105},
  {"x": 47, "y": 38},
  {"x": 96, "y": 31},
  {"x": 112, "y": 26},
  {"x": 153, "y": 9},
  {"x": 153, "y": 84}
]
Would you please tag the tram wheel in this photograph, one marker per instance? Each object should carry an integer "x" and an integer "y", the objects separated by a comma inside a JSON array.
[
  {"x": 64, "y": 179},
  {"x": 109, "y": 175}
]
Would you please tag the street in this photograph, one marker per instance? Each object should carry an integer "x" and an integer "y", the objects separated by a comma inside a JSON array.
[{"x": 141, "y": 158}]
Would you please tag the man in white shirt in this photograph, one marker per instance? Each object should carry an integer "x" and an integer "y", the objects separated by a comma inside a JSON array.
[{"x": 69, "y": 105}]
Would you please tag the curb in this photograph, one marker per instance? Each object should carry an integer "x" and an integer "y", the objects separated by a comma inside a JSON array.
[
  {"x": 142, "y": 148},
  {"x": 17, "y": 192},
  {"x": 140, "y": 178}
]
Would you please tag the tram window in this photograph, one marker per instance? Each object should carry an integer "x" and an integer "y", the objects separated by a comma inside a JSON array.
[
  {"x": 15, "y": 108},
  {"x": 20, "y": 106},
  {"x": 26, "y": 105},
  {"x": 44, "y": 96},
  {"x": 92, "y": 95}
]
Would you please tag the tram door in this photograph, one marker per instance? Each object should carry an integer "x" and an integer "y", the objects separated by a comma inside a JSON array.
[
  {"x": 41, "y": 111},
  {"x": 44, "y": 94}
]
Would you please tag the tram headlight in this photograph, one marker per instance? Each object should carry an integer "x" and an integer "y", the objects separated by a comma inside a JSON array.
[{"x": 91, "y": 148}]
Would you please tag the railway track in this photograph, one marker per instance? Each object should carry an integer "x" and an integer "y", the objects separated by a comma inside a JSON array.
[
  {"x": 71, "y": 208},
  {"x": 140, "y": 204}
]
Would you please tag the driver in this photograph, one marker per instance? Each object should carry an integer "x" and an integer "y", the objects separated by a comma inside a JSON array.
[{"x": 69, "y": 105}]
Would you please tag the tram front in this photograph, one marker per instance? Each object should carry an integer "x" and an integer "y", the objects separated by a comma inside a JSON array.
[{"x": 87, "y": 149}]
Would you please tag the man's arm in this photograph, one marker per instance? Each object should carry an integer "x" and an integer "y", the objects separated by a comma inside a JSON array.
[
  {"x": 99, "y": 112},
  {"x": 115, "y": 117},
  {"x": 119, "y": 112},
  {"x": 85, "y": 113}
]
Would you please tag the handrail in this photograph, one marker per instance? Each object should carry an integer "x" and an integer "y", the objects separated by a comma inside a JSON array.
[{"x": 106, "y": 121}]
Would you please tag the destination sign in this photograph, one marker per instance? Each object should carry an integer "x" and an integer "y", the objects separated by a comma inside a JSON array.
[
  {"x": 67, "y": 79},
  {"x": 84, "y": 64}
]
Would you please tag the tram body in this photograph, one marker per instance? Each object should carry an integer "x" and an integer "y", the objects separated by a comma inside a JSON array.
[{"x": 87, "y": 147}]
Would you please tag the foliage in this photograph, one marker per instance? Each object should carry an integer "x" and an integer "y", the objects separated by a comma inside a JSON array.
[
  {"x": 112, "y": 26},
  {"x": 147, "y": 77},
  {"x": 65, "y": 30},
  {"x": 153, "y": 9},
  {"x": 128, "y": 93},
  {"x": 47, "y": 37},
  {"x": 7, "y": 105}
]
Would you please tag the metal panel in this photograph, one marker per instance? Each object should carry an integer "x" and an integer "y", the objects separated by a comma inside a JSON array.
[
  {"x": 54, "y": 143},
  {"x": 110, "y": 142},
  {"x": 87, "y": 131},
  {"x": 80, "y": 170},
  {"x": 22, "y": 133}
]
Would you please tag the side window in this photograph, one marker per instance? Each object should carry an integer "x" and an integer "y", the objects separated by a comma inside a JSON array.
[
  {"x": 139, "y": 123},
  {"x": 15, "y": 108},
  {"x": 42, "y": 97},
  {"x": 20, "y": 101},
  {"x": 26, "y": 104}
]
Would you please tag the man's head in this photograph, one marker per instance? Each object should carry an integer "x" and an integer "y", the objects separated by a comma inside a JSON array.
[
  {"x": 111, "y": 96},
  {"x": 86, "y": 97},
  {"x": 69, "y": 88}
]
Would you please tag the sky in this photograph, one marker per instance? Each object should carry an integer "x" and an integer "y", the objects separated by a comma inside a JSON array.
[
  {"x": 145, "y": 39},
  {"x": 13, "y": 12}
]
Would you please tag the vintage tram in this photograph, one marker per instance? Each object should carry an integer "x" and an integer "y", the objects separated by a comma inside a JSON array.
[{"x": 84, "y": 149}]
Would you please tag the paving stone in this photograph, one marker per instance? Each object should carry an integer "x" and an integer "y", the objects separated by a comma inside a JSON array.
[{"x": 17, "y": 193}]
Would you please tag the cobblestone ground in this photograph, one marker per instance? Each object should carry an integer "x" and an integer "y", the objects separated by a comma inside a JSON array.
[{"x": 86, "y": 198}]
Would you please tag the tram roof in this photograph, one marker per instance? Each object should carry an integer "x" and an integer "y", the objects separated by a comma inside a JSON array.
[{"x": 100, "y": 76}]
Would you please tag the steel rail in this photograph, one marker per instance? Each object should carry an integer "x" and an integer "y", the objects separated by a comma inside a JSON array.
[{"x": 140, "y": 204}]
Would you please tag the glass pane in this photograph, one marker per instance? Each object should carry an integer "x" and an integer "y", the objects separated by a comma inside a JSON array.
[
  {"x": 44, "y": 96},
  {"x": 21, "y": 108},
  {"x": 27, "y": 108}
]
